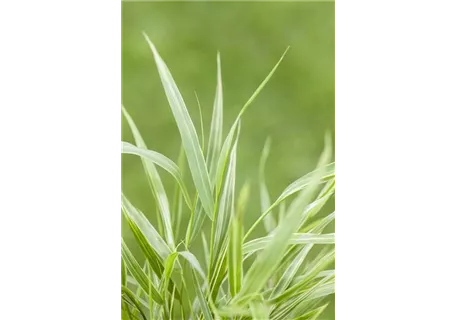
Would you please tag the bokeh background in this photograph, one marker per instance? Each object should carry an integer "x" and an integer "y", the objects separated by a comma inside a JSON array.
[{"x": 295, "y": 108}]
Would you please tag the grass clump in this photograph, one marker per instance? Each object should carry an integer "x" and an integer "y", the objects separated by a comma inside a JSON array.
[{"x": 270, "y": 277}]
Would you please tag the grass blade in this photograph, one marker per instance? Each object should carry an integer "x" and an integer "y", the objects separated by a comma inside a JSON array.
[
  {"x": 196, "y": 223},
  {"x": 259, "y": 309},
  {"x": 313, "y": 271},
  {"x": 155, "y": 182},
  {"x": 220, "y": 226},
  {"x": 146, "y": 228},
  {"x": 296, "y": 238},
  {"x": 302, "y": 302},
  {"x": 187, "y": 255},
  {"x": 225, "y": 151},
  {"x": 201, "y": 121},
  {"x": 269, "y": 222},
  {"x": 290, "y": 272},
  {"x": 235, "y": 244},
  {"x": 205, "y": 250},
  {"x": 126, "y": 293},
  {"x": 313, "y": 209},
  {"x": 167, "y": 284},
  {"x": 223, "y": 157},
  {"x": 215, "y": 141},
  {"x": 215, "y": 135},
  {"x": 169, "y": 267},
  {"x": 292, "y": 267},
  {"x": 291, "y": 305},
  {"x": 188, "y": 133},
  {"x": 162, "y": 161},
  {"x": 151, "y": 299},
  {"x": 176, "y": 218},
  {"x": 320, "y": 224},
  {"x": 312, "y": 315},
  {"x": 298, "y": 185},
  {"x": 137, "y": 272},
  {"x": 150, "y": 254},
  {"x": 201, "y": 299},
  {"x": 304, "y": 181},
  {"x": 123, "y": 275},
  {"x": 321, "y": 274},
  {"x": 266, "y": 262},
  {"x": 225, "y": 209},
  {"x": 282, "y": 210}
]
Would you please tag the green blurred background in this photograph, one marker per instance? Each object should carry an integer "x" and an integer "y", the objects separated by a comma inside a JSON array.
[{"x": 295, "y": 108}]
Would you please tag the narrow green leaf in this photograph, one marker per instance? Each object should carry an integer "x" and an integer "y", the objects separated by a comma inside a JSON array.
[
  {"x": 155, "y": 182},
  {"x": 234, "y": 311},
  {"x": 266, "y": 262},
  {"x": 124, "y": 273},
  {"x": 220, "y": 226},
  {"x": 148, "y": 251},
  {"x": 312, "y": 315},
  {"x": 223, "y": 156},
  {"x": 313, "y": 271},
  {"x": 304, "y": 181},
  {"x": 235, "y": 247},
  {"x": 205, "y": 250},
  {"x": 329, "y": 188},
  {"x": 294, "y": 305},
  {"x": 139, "y": 291},
  {"x": 171, "y": 305},
  {"x": 260, "y": 310},
  {"x": 298, "y": 185},
  {"x": 321, "y": 224},
  {"x": 188, "y": 133},
  {"x": 214, "y": 309},
  {"x": 269, "y": 222},
  {"x": 296, "y": 238},
  {"x": 169, "y": 267},
  {"x": 150, "y": 293},
  {"x": 224, "y": 211},
  {"x": 167, "y": 284},
  {"x": 201, "y": 299},
  {"x": 326, "y": 273},
  {"x": 184, "y": 289},
  {"x": 288, "y": 307},
  {"x": 137, "y": 272},
  {"x": 219, "y": 271},
  {"x": 291, "y": 262},
  {"x": 151, "y": 255},
  {"x": 162, "y": 161},
  {"x": 124, "y": 311},
  {"x": 201, "y": 121},
  {"x": 215, "y": 141},
  {"x": 215, "y": 135},
  {"x": 311, "y": 211},
  {"x": 282, "y": 211},
  {"x": 222, "y": 159},
  {"x": 292, "y": 267},
  {"x": 130, "y": 298},
  {"x": 194, "y": 263},
  {"x": 290, "y": 272},
  {"x": 146, "y": 228},
  {"x": 318, "y": 204},
  {"x": 323, "y": 291},
  {"x": 196, "y": 223},
  {"x": 176, "y": 218}
]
